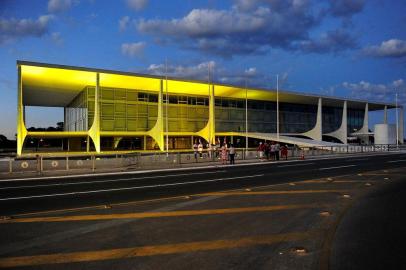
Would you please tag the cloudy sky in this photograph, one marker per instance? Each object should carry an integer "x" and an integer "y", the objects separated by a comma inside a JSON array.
[{"x": 347, "y": 48}]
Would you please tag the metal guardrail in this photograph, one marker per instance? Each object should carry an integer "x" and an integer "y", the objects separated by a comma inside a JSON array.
[{"x": 92, "y": 163}]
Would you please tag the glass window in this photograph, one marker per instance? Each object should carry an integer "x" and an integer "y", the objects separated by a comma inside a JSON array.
[
  {"x": 182, "y": 99},
  {"x": 153, "y": 98},
  {"x": 173, "y": 99},
  {"x": 142, "y": 97}
]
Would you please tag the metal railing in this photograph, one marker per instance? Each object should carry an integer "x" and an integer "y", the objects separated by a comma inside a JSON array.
[{"x": 134, "y": 161}]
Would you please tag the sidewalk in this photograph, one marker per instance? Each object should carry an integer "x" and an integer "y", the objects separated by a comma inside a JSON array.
[{"x": 159, "y": 167}]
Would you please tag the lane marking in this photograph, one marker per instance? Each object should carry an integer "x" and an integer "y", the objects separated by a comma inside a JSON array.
[
  {"x": 278, "y": 192},
  {"x": 358, "y": 159},
  {"x": 125, "y": 253},
  {"x": 353, "y": 181},
  {"x": 179, "y": 213},
  {"x": 294, "y": 165},
  {"x": 128, "y": 188},
  {"x": 393, "y": 161},
  {"x": 108, "y": 181},
  {"x": 336, "y": 167}
]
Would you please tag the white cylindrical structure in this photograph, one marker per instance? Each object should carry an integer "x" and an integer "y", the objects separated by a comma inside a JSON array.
[{"x": 385, "y": 134}]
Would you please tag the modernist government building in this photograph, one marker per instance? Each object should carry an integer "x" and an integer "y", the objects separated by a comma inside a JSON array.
[{"x": 108, "y": 111}]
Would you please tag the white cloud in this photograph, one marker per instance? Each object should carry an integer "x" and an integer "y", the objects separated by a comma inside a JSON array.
[
  {"x": 219, "y": 74},
  {"x": 378, "y": 92},
  {"x": 13, "y": 29},
  {"x": 394, "y": 48},
  {"x": 251, "y": 71},
  {"x": 137, "y": 5},
  {"x": 331, "y": 41},
  {"x": 55, "y": 6},
  {"x": 123, "y": 23},
  {"x": 198, "y": 72},
  {"x": 133, "y": 49},
  {"x": 242, "y": 29},
  {"x": 57, "y": 38}
]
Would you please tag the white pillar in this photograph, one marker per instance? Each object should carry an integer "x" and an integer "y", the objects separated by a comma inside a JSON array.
[
  {"x": 316, "y": 132},
  {"x": 341, "y": 132},
  {"x": 401, "y": 125},
  {"x": 385, "y": 115}
]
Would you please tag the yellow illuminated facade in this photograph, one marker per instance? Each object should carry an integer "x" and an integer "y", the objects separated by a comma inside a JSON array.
[{"x": 108, "y": 110}]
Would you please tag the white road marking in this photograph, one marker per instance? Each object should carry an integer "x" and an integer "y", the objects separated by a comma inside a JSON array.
[
  {"x": 128, "y": 188},
  {"x": 336, "y": 167},
  {"x": 393, "y": 161},
  {"x": 294, "y": 165},
  {"x": 107, "y": 181}
]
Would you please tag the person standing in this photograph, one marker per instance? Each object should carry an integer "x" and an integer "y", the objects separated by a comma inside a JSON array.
[
  {"x": 260, "y": 150},
  {"x": 272, "y": 150},
  {"x": 232, "y": 154},
  {"x": 224, "y": 154},
  {"x": 266, "y": 149},
  {"x": 284, "y": 152},
  {"x": 200, "y": 149},
  {"x": 277, "y": 149},
  {"x": 195, "y": 148}
]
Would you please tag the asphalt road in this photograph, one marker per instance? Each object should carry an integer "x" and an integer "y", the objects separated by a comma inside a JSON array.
[
  {"x": 372, "y": 233},
  {"x": 315, "y": 214},
  {"x": 17, "y": 197}
]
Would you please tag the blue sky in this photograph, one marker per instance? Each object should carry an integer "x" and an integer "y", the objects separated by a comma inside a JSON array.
[{"x": 348, "y": 48}]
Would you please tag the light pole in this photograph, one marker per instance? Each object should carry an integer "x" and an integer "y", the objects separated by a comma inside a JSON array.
[
  {"x": 166, "y": 108},
  {"x": 277, "y": 106},
  {"x": 246, "y": 115},
  {"x": 208, "y": 83}
]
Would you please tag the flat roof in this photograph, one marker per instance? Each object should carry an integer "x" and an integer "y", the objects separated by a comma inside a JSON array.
[{"x": 56, "y": 85}]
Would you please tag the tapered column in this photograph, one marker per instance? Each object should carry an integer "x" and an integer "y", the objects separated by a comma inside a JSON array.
[
  {"x": 21, "y": 130},
  {"x": 341, "y": 132},
  {"x": 209, "y": 131},
  {"x": 157, "y": 132},
  {"x": 94, "y": 131},
  {"x": 316, "y": 132}
]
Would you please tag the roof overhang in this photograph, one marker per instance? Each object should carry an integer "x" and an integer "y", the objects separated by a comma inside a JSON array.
[{"x": 57, "y": 85}]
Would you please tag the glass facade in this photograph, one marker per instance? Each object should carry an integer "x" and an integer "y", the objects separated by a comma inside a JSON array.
[
  {"x": 136, "y": 110},
  {"x": 331, "y": 118},
  {"x": 355, "y": 119},
  {"x": 76, "y": 113}
]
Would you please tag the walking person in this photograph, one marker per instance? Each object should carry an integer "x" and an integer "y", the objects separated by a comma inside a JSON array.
[
  {"x": 224, "y": 154},
  {"x": 232, "y": 154},
  {"x": 277, "y": 149}
]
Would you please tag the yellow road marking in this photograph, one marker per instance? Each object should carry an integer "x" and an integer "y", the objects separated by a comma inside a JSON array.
[
  {"x": 275, "y": 192},
  {"x": 163, "y": 214},
  {"x": 377, "y": 174},
  {"x": 122, "y": 253},
  {"x": 353, "y": 181}
]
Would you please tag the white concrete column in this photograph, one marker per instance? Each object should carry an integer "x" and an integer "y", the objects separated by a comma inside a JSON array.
[
  {"x": 341, "y": 132},
  {"x": 385, "y": 115},
  {"x": 316, "y": 132}
]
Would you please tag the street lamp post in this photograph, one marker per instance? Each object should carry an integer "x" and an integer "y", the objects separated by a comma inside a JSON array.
[
  {"x": 166, "y": 108},
  {"x": 246, "y": 115},
  {"x": 277, "y": 106}
]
